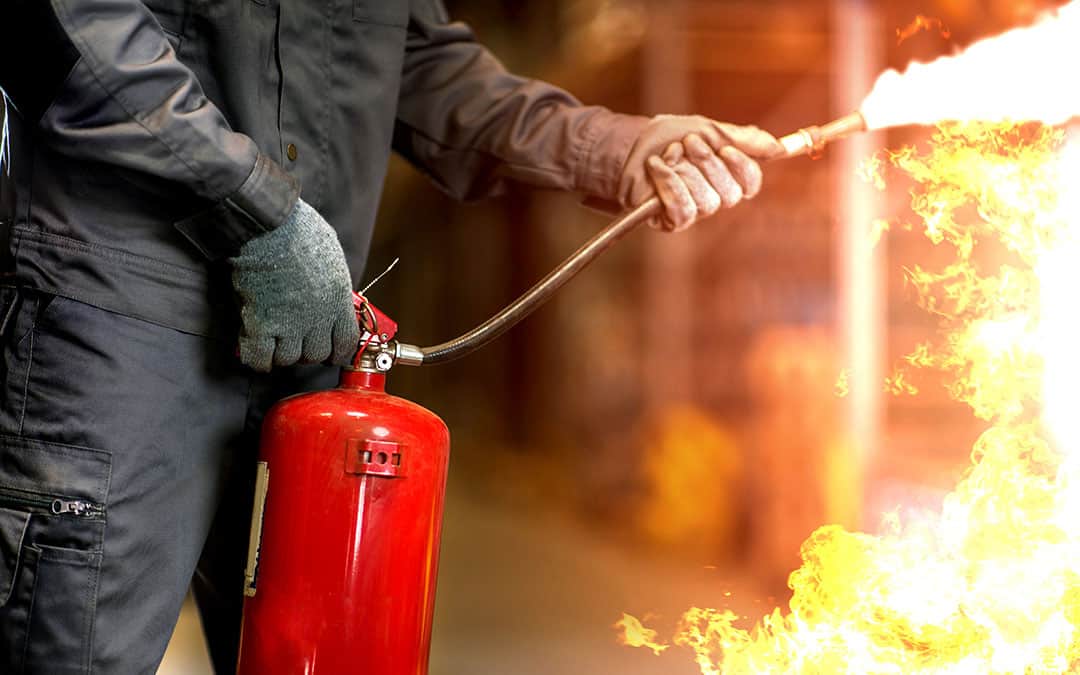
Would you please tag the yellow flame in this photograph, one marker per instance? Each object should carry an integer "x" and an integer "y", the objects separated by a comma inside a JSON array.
[
  {"x": 990, "y": 583},
  {"x": 636, "y": 635},
  {"x": 1013, "y": 76},
  {"x": 898, "y": 385},
  {"x": 842, "y": 387}
]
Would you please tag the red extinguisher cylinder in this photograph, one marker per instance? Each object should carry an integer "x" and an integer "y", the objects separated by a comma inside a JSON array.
[{"x": 341, "y": 577}]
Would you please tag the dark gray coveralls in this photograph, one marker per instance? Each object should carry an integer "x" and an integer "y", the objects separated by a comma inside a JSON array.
[{"x": 153, "y": 138}]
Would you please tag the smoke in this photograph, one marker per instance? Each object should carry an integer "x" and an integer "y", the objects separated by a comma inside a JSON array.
[{"x": 1025, "y": 74}]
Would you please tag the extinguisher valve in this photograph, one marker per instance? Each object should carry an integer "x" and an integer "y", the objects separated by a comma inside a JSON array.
[
  {"x": 378, "y": 350},
  {"x": 384, "y": 361},
  {"x": 408, "y": 355}
]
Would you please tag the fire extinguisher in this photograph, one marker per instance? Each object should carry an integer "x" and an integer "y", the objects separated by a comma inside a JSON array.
[{"x": 345, "y": 533}]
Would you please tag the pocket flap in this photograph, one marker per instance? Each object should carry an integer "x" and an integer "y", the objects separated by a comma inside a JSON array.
[
  {"x": 54, "y": 469},
  {"x": 12, "y": 530}
]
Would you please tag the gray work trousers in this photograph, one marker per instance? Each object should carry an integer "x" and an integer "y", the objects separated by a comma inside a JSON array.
[{"x": 126, "y": 473}]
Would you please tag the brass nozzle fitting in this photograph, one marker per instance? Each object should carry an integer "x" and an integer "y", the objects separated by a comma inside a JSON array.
[{"x": 812, "y": 140}]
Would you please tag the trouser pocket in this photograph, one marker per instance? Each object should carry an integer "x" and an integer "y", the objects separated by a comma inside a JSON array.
[{"x": 52, "y": 526}]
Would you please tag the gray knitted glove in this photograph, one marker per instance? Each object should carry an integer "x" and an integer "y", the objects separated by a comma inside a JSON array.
[{"x": 295, "y": 295}]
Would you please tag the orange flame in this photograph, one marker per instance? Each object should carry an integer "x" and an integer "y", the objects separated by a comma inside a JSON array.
[
  {"x": 991, "y": 583},
  {"x": 919, "y": 23},
  {"x": 1014, "y": 76}
]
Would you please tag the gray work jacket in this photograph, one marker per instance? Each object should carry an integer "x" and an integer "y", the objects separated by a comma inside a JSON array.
[{"x": 154, "y": 137}]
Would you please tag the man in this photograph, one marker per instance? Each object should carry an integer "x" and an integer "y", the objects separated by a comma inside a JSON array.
[{"x": 174, "y": 160}]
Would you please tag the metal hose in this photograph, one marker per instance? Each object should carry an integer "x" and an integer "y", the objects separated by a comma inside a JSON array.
[
  {"x": 802, "y": 142},
  {"x": 538, "y": 294}
]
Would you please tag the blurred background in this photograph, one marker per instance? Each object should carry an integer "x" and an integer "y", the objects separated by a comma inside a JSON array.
[{"x": 674, "y": 424}]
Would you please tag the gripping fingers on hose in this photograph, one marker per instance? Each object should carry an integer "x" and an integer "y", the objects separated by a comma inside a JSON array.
[
  {"x": 685, "y": 188},
  {"x": 745, "y": 170},
  {"x": 716, "y": 171}
]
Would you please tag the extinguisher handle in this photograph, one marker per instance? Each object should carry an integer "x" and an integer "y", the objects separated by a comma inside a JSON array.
[{"x": 535, "y": 296}]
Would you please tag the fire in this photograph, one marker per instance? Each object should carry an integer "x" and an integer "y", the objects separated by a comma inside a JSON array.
[
  {"x": 990, "y": 583},
  {"x": 636, "y": 635},
  {"x": 920, "y": 22},
  {"x": 1014, "y": 76},
  {"x": 842, "y": 388}
]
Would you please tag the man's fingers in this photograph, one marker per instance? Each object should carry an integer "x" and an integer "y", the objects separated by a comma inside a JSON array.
[
  {"x": 679, "y": 207},
  {"x": 714, "y": 169},
  {"x": 288, "y": 351},
  {"x": 745, "y": 170},
  {"x": 257, "y": 353},
  {"x": 707, "y": 200},
  {"x": 317, "y": 347},
  {"x": 673, "y": 153},
  {"x": 751, "y": 140},
  {"x": 346, "y": 339}
]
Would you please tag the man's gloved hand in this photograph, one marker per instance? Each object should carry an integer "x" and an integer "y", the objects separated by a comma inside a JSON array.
[
  {"x": 295, "y": 295},
  {"x": 695, "y": 165}
]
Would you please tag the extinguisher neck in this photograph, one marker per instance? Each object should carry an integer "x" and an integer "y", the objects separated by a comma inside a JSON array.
[{"x": 362, "y": 379}]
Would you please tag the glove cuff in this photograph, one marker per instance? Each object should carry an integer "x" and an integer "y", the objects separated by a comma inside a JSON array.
[
  {"x": 608, "y": 139},
  {"x": 260, "y": 205}
]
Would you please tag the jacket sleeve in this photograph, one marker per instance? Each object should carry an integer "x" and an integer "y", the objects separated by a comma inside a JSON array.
[
  {"x": 100, "y": 81},
  {"x": 469, "y": 124}
]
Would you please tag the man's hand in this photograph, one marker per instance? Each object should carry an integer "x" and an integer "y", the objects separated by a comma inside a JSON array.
[
  {"x": 695, "y": 166},
  {"x": 295, "y": 295}
]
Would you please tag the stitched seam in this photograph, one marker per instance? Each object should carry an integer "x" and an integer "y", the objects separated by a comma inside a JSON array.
[
  {"x": 107, "y": 253},
  {"x": 90, "y": 607},
  {"x": 84, "y": 52},
  {"x": 26, "y": 380},
  {"x": 583, "y": 154},
  {"x": 97, "y": 577},
  {"x": 30, "y": 612},
  {"x": 324, "y": 142},
  {"x": 10, "y": 313}
]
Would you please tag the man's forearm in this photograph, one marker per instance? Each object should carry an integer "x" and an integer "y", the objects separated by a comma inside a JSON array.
[{"x": 470, "y": 124}]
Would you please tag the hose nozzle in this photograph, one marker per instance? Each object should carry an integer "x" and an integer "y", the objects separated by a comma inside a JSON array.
[{"x": 812, "y": 140}]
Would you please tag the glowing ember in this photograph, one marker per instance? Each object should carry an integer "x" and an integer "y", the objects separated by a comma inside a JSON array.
[
  {"x": 991, "y": 583},
  {"x": 1014, "y": 76},
  {"x": 921, "y": 22}
]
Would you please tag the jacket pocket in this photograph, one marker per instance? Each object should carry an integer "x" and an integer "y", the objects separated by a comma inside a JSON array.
[
  {"x": 52, "y": 526},
  {"x": 12, "y": 530},
  {"x": 382, "y": 12}
]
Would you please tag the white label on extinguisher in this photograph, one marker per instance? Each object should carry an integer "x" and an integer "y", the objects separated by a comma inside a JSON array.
[{"x": 262, "y": 482}]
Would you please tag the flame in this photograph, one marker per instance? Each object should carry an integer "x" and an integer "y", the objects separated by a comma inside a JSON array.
[
  {"x": 990, "y": 583},
  {"x": 636, "y": 635},
  {"x": 1014, "y": 76},
  {"x": 919, "y": 23},
  {"x": 842, "y": 387}
]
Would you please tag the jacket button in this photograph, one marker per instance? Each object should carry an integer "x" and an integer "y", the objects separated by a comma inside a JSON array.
[{"x": 290, "y": 152}]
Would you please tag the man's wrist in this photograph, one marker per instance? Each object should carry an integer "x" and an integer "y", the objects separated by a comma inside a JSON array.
[
  {"x": 261, "y": 204},
  {"x": 608, "y": 137}
]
